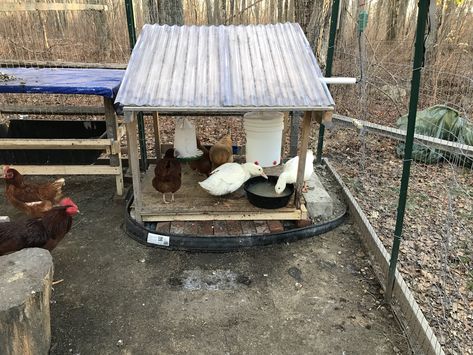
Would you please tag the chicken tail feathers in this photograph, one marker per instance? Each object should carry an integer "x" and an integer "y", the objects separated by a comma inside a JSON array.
[
  {"x": 57, "y": 186},
  {"x": 59, "y": 183}
]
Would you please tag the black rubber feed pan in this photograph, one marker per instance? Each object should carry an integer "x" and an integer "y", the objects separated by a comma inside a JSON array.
[{"x": 260, "y": 192}]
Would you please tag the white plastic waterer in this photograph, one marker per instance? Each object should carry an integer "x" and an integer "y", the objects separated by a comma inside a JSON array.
[
  {"x": 184, "y": 139},
  {"x": 263, "y": 137}
]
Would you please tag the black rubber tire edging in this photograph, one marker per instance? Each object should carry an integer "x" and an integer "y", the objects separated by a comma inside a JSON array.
[{"x": 211, "y": 243}]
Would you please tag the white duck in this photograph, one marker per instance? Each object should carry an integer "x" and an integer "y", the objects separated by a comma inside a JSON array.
[
  {"x": 228, "y": 177},
  {"x": 289, "y": 174}
]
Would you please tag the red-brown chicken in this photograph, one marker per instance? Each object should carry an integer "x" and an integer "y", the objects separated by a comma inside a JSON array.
[
  {"x": 203, "y": 165},
  {"x": 45, "y": 232},
  {"x": 167, "y": 174},
  {"x": 221, "y": 152},
  {"x": 33, "y": 199}
]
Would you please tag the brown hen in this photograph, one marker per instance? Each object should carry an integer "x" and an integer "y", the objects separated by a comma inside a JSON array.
[
  {"x": 203, "y": 165},
  {"x": 221, "y": 152},
  {"x": 33, "y": 199},
  {"x": 167, "y": 175},
  {"x": 45, "y": 232}
]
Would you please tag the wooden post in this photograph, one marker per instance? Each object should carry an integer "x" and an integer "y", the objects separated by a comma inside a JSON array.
[
  {"x": 302, "y": 156},
  {"x": 112, "y": 134},
  {"x": 134, "y": 160},
  {"x": 157, "y": 137}
]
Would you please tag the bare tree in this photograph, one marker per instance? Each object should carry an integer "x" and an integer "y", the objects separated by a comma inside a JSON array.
[
  {"x": 170, "y": 12},
  {"x": 153, "y": 11},
  {"x": 392, "y": 19},
  {"x": 280, "y": 7},
  {"x": 210, "y": 18}
]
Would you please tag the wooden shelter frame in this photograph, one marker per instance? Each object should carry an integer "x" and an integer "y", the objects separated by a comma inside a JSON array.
[{"x": 323, "y": 114}]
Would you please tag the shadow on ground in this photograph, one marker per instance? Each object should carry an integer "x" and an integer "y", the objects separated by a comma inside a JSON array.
[{"x": 315, "y": 296}]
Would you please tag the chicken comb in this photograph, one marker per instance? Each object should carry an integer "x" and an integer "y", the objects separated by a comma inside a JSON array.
[{"x": 67, "y": 202}]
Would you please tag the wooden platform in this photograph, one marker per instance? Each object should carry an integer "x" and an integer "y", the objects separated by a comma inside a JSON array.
[{"x": 192, "y": 203}]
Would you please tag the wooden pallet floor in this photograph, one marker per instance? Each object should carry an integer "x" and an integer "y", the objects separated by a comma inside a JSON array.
[{"x": 192, "y": 203}]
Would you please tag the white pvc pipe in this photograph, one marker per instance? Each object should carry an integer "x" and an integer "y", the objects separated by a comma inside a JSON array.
[{"x": 340, "y": 80}]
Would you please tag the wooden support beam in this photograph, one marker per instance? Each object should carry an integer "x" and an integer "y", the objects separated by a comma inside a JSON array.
[
  {"x": 112, "y": 134},
  {"x": 121, "y": 132},
  {"x": 157, "y": 137},
  {"x": 23, "y": 143},
  {"x": 43, "y": 6},
  {"x": 53, "y": 110},
  {"x": 302, "y": 157},
  {"x": 67, "y": 169},
  {"x": 133, "y": 159}
]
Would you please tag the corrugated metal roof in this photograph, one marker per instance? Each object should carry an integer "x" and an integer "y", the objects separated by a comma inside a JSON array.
[{"x": 223, "y": 68}]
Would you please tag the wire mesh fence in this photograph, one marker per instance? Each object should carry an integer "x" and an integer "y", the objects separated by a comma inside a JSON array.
[{"x": 435, "y": 255}]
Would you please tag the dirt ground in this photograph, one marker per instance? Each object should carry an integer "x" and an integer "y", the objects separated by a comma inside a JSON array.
[{"x": 117, "y": 296}]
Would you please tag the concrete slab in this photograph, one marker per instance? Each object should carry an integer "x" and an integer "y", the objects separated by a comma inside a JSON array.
[{"x": 318, "y": 201}]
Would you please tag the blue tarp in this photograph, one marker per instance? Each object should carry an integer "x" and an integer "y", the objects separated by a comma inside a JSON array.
[{"x": 101, "y": 82}]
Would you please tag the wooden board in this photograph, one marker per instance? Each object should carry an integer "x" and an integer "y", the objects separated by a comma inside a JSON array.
[
  {"x": 22, "y": 143},
  {"x": 67, "y": 169},
  {"x": 192, "y": 203}
]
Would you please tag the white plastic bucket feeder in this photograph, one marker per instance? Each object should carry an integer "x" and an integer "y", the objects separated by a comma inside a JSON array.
[{"x": 263, "y": 137}]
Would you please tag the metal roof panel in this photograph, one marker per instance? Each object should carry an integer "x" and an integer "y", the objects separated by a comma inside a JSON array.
[{"x": 191, "y": 68}]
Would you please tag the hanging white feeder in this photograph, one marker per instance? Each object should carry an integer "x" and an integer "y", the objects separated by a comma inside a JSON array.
[
  {"x": 263, "y": 137},
  {"x": 185, "y": 140}
]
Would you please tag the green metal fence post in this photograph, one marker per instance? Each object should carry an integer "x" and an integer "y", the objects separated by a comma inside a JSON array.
[
  {"x": 130, "y": 19},
  {"x": 414, "y": 99},
  {"x": 328, "y": 69}
]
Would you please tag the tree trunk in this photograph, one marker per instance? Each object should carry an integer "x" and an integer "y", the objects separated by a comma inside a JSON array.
[
  {"x": 224, "y": 10},
  {"x": 292, "y": 16},
  {"x": 25, "y": 291},
  {"x": 379, "y": 10},
  {"x": 303, "y": 11},
  {"x": 280, "y": 7},
  {"x": 232, "y": 10},
  {"x": 431, "y": 39},
  {"x": 402, "y": 16},
  {"x": 170, "y": 12},
  {"x": 216, "y": 15},
  {"x": 208, "y": 6},
  {"x": 286, "y": 8},
  {"x": 392, "y": 20},
  {"x": 153, "y": 16},
  {"x": 310, "y": 14}
]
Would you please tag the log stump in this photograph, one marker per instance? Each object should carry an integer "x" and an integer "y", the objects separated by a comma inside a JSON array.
[{"x": 25, "y": 290}]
